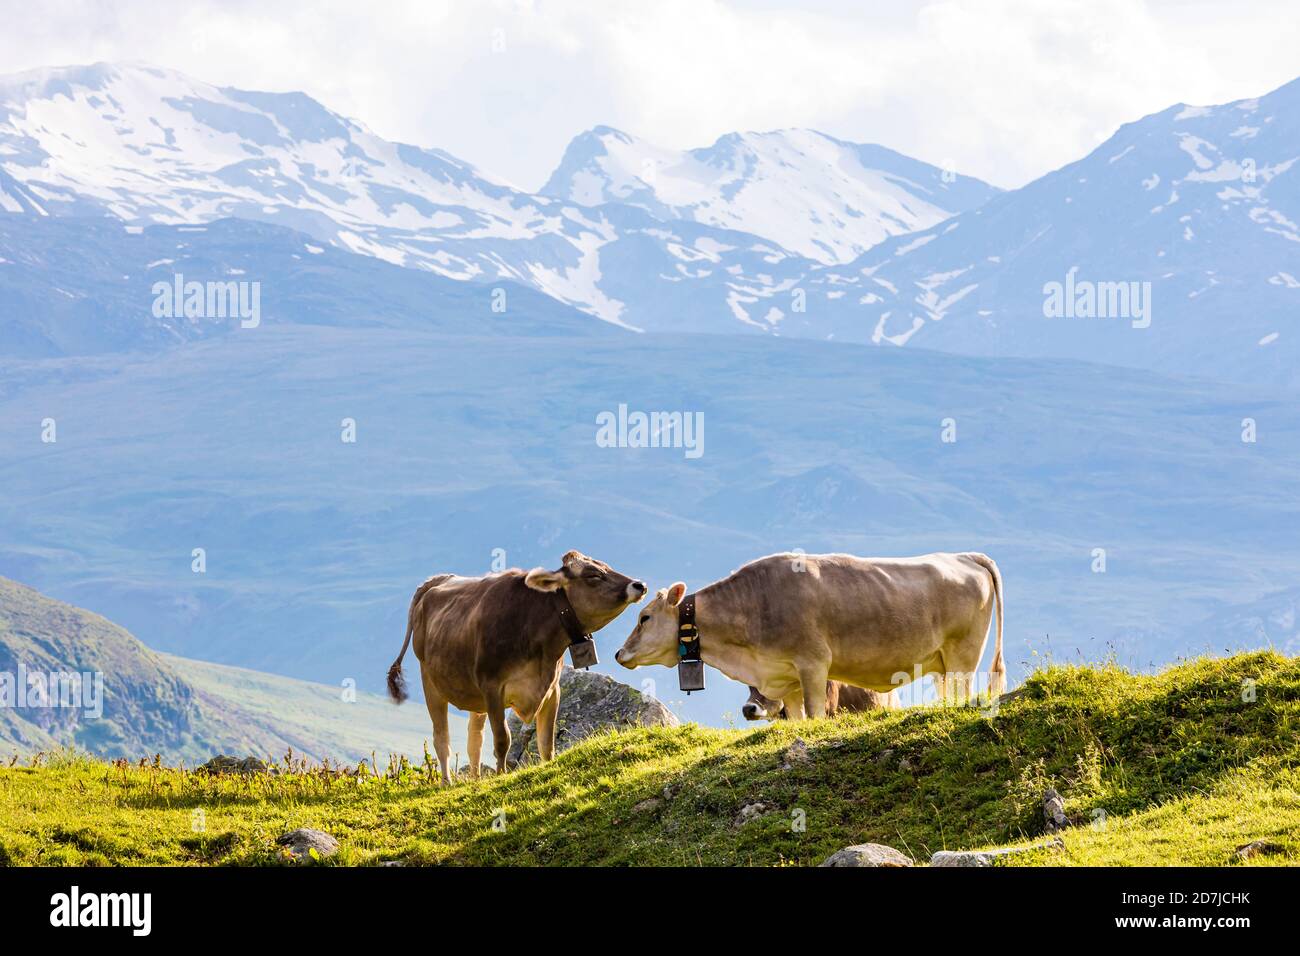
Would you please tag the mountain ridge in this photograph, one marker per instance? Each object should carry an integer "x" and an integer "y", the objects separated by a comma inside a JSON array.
[
  {"x": 134, "y": 701},
  {"x": 1199, "y": 201},
  {"x": 148, "y": 145},
  {"x": 870, "y": 192}
]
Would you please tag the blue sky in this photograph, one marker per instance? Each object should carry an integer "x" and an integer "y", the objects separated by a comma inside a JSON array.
[{"x": 1003, "y": 89}]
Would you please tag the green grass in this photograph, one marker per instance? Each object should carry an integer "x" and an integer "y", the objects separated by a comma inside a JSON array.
[{"x": 1184, "y": 769}]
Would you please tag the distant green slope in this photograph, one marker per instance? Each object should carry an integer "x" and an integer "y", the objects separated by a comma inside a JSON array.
[
  {"x": 316, "y": 718},
  {"x": 1180, "y": 767},
  {"x": 185, "y": 710}
]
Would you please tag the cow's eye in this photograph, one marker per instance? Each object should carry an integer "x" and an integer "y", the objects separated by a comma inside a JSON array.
[
  {"x": 644, "y": 618},
  {"x": 593, "y": 576}
]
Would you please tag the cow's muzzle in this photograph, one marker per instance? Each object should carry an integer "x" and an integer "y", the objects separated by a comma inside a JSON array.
[
  {"x": 636, "y": 590},
  {"x": 751, "y": 712}
]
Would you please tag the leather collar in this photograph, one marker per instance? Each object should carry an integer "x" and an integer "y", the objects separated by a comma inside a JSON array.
[
  {"x": 569, "y": 619},
  {"x": 688, "y": 635}
]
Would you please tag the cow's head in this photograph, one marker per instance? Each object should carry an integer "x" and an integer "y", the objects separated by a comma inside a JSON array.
[
  {"x": 597, "y": 592},
  {"x": 759, "y": 707},
  {"x": 654, "y": 639}
]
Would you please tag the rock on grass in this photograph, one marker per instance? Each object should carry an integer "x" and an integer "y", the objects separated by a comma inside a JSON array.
[
  {"x": 1054, "y": 818},
  {"x": 301, "y": 842},
  {"x": 1258, "y": 848},
  {"x": 224, "y": 763},
  {"x": 589, "y": 703},
  {"x": 868, "y": 854},
  {"x": 989, "y": 857}
]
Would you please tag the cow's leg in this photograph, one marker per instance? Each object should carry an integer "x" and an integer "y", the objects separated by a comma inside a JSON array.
[
  {"x": 474, "y": 743},
  {"x": 546, "y": 714},
  {"x": 812, "y": 681},
  {"x": 942, "y": 687},
  {"x": 500, "y": 732},
  {"x": 937, "y": 668},
  {"x": 964, "y": 662},
  {"x": 794, "y": 706},
  {"x": 437, "y": 705},
  {"x": 441, "y": 736}
]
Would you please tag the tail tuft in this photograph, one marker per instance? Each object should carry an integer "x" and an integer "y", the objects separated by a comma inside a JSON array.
[
  {"x": 396, "y": 683},
  {"x": 998, "y": 676}
]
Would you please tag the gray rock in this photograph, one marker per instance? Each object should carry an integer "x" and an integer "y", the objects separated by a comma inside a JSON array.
[
  {"x": 905, "y": 765},
  {"x": 797, "y": 752},
  {"x": 989, "y": 857},
  {"x": 224, "y": 763},
  {"x": 648, "y": 805},
  {"x": 1258, "y": 848},
  {"x": 751, "y": 811},
  {"x": 588, "y": 703},
  {"x": 1054, "y": 812},
  {"x": 885, "y": 756},
  {"x": 302, "y": 841},
  {"x": 1011, "y": 695},
  {"x": 868, "y": 854}
]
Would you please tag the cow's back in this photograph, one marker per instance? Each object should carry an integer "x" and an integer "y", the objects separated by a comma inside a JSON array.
[
  {"x": 895, "y": 594},
  {"x": 464, "y": 621},
  {"x": 876, "y": 617},
  {"x": 844, "y": 590}
]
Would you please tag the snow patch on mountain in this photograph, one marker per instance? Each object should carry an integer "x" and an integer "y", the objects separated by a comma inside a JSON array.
[{"x": 815, "y": 195}]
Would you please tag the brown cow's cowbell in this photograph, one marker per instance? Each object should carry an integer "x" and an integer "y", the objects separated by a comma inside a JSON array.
[
  {"x": 582, "y": 649},
  {"x": 690, "y": 668}
]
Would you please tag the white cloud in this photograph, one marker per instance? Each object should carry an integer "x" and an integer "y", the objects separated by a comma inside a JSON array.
[{"x": 1005, "y": 89}]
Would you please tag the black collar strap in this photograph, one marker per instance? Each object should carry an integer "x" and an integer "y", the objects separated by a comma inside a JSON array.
[
  {"x": 688, "y": 635},
  {"x": 569, "y": 618}
]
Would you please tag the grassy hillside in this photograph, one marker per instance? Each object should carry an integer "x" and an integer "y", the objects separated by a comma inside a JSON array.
[
  {"x": 1187, "y": 765},
  {"x": 313, "y": 718},
  {"x": 184, "y": 709}
]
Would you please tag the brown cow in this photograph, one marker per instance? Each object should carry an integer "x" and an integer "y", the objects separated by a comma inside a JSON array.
[
  {"x": 787, "y": 623},
  {"x": 846, "y": 697},
  {"x": 488, "y": 643}
]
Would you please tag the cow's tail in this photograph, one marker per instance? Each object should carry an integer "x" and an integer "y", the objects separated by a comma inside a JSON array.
[
  {"x": 998, "y": 669},
  {"x": 414, "y": 618},
  {"x": 396, "y": 682}
]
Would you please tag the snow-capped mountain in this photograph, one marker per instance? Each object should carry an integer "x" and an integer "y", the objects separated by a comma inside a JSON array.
[
  {"x": 377, "y": 265},
  {"x": 817, "y": 196},
  {"x": 154, "y": 146},
  {"x": 1184, "y": 221},
  {"x": 1201, "y": 203}
]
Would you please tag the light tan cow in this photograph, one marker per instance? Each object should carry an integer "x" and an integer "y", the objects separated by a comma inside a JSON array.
[{"x": 787, "y": 623}]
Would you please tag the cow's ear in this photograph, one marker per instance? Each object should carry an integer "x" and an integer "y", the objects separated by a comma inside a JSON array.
[
  {"x": 676, "y": 593},
  {"x": 539, "y": 579}
]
